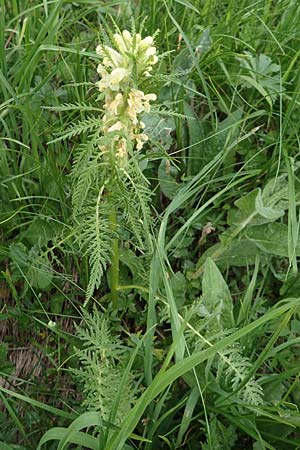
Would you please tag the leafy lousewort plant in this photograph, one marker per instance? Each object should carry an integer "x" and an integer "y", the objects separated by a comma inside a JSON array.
[{"x": 110, "y": 192}]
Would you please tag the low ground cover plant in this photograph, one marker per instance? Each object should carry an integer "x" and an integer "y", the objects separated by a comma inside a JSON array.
[{"x": 149, "y": 225}]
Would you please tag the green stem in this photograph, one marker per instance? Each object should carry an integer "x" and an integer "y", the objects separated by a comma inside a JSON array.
[{"x": 114, "y": 268}]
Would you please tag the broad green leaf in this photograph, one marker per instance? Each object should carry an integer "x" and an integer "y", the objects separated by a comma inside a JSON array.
[
  {"x": 183, "y": 63},
  {"x": 188, "y": 413},
  {"x": 276, "y": 194},
  {"x": 226, "y": 136},
  {"x": 79, "y": 438},
  {"x": 272, "y": 238},
  {"x": 245, "y": 211},
  {"x": 216, "y": 299},
  {"x": 178, "y": 286},
  {"x": 264, "y": 75},
  {"x": 290, "y": 286},
  {"x": 267, "y": 212},
  {"x": 159, "y": 128},
  {"x": 205, "y": 42},
  {"x": 41, "y": 231},
  {"x": 133, "y": 263},
  {"x": 239, "y": 253},
  {"x": 85, "y": 420},
  {"x": 34, "y": 266},
  {"x": 167, "y": 178},
  {"x": 202, "y": 148},
  {"x": 40, "y": 271},
  {"x": 253, "y": 211}
]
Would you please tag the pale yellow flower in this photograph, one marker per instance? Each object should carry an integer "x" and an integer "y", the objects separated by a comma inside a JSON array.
[
  {"x": 138, "y": 102},
  {"x": 117, "y": 75},
  {"x": 118, "y": 126},
  {"x": 101, "y": 70},
  {"x": 140, "y": 140},
  {"x": 147, "y": 99},
  {"x": 127, "y": 39},
  {"x": 113, "y": 106},
  {"x": 112, "y": 81},
  {"x": 111, "y": 58},
  {"x": 146, "y": 42},
  {"x": 150, "y": 97},
  {"x": 120, "y": 43},
  {"x": 135, "y": 104},
  {"x": 121, "y": 148},
  {"x": 150, "y": 51}
]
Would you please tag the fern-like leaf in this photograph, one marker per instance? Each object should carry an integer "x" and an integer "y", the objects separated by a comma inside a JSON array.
[
  {"x": 72, "y": 107},
  {"x": 135, "y": 205},
  {"x": 102, "y": 364},
  {"x": 95, "y": 237},
  {"x": 87, "y": 125},
  {"x": 84, "y": 173}
]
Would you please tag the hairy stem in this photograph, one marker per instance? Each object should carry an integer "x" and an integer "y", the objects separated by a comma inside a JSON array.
[{"x": 114, "y": 269}]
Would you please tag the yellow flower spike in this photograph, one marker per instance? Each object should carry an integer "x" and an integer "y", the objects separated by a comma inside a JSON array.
[{"x": 123, "y": 102}]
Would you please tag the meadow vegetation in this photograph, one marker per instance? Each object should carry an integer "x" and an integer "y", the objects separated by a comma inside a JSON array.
[{"x": 149, "y": 224}]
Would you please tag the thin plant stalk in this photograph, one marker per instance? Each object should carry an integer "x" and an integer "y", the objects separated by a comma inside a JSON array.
[{"x": 114, "y": 268}]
